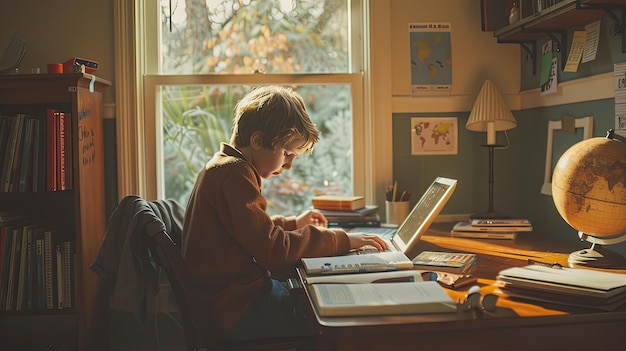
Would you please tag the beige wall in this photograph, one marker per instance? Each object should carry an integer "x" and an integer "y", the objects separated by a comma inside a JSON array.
[
  {"x": 59, "y": 30},
  {"x": 476, "y": 56}
]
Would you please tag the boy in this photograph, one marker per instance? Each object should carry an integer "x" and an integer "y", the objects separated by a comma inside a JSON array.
[{"x": 232, "y": 245}]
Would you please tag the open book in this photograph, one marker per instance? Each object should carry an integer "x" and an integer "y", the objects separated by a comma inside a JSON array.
[{"x": 380, "y": 299}]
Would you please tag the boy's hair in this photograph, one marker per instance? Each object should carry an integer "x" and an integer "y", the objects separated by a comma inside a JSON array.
[{"x": 279, "y": 113}]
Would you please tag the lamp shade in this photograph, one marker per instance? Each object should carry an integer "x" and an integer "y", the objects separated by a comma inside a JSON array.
[{"x": 490, "y": 111}]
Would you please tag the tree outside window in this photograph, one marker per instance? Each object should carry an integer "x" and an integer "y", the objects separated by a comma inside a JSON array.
[{"x": 256, "y": 39}]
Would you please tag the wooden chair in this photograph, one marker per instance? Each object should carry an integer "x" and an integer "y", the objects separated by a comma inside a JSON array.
[{"x": 196, "y": 321}]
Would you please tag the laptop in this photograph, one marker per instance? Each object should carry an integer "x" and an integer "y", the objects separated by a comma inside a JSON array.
[{"x": 406, "y": 236}]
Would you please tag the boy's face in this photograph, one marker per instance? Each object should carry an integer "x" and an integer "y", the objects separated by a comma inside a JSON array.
[{"x": 271, "y": 163}]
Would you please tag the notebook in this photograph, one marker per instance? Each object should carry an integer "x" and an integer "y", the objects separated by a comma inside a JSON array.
[{"x": 406, "y": 236}]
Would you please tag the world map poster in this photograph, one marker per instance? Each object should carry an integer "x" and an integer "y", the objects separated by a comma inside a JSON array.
[
  {"x": 434, "y": 136},
  {"x": 431, "y": 58}
]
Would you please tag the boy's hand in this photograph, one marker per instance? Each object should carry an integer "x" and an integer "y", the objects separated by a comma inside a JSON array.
[
  {"x": 311, "y": 217},
  {"x": 358, "y": 240}
]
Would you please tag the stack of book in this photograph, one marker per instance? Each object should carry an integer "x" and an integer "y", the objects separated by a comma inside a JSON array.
[
  {"x": 449, "y": 262},
  {"x": 491, "y": 228},
  {"x": 565, "y": 286},
  {"x": 346, "y": 211}
]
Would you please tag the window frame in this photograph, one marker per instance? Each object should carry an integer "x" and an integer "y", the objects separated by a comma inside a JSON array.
[{"x": 139, "y": 152}]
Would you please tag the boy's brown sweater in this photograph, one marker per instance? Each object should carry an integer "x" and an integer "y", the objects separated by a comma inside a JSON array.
[{"x": 232, "y": 245}]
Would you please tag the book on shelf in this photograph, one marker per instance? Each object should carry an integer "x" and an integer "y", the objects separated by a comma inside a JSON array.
[
  {"x": 468, "y": 227},
  {"x": 34, "y": 233},
  {"x": 59, "y": 277},
  {"x": 58, "y": 152},
  {"x": 5, "y": 130},
  {"x": 363, "y": 263},
  {"x": 39, "y": 275},
  {"x": 64, "y": 151},
  {"x": 14, "y": 149},
  {"x": 338, "y": 202},
  {"x": 367, "y": 211},
  {"x": 48, "y": 270},
  {"x": 8, "y": 151},
  {"x": 7, "y": 238},
  {"x": 25, "y": 160},
  {"x": 12, "y": 278},
  {"x": 450, "y": 262},
  {"x": 362, "y": 299},
  {"x": 27, "y": 286},
  {"x": 34, "y": 181},
  {"x": 51, "y": 149},
  {"x": 67, "y": 272}
]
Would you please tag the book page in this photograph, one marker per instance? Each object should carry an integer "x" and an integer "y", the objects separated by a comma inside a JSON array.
[{"x": 371, "y": 299}]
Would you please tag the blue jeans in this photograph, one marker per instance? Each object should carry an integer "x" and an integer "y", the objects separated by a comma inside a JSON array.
[{"x": 273, "y": 314}]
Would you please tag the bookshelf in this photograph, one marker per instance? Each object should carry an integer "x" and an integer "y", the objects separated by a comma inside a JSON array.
[{"x": 75, "y": 214}]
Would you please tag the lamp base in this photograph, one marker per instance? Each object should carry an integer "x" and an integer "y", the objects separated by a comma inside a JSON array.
[
  {"x": 597, "y": 257},
  {"x": 489, "y": 215}
]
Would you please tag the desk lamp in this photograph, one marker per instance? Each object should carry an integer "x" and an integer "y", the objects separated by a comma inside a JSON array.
[{"x": 490, "y": 114}]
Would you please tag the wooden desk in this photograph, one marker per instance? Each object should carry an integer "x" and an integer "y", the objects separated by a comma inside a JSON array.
[{"x": 515, "y": 325}]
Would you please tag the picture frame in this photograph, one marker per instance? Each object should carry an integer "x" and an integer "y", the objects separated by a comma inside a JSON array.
[
  {"x": 434, "y": 135},
  {"x": 584, "y": 123}
]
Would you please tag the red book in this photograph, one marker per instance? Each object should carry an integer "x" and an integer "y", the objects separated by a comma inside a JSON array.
[{"x": 61, "y": 152}]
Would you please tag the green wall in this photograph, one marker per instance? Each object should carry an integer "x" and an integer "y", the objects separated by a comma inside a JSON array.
[{"x": 518, "y": 171}]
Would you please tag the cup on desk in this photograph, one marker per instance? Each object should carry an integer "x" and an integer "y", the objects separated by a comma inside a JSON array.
[{"x": 396, "y": 211}]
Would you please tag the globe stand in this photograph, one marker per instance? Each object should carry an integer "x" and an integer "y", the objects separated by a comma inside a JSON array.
[{"x": 597, "y": 256}]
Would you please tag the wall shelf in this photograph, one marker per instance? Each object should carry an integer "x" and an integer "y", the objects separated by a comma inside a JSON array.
[{"x": 556, "y": 20}]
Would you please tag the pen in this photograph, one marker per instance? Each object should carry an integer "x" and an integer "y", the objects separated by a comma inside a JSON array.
[{"x": 402, "y": 196}]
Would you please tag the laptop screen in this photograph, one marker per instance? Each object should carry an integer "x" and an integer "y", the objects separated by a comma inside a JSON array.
[{"x": 423, "y": 213}]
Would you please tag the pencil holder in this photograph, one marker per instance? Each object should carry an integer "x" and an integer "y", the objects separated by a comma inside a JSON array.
[{"x": 396, "y": 211}]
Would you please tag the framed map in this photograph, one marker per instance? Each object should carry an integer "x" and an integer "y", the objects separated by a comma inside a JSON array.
[{"x": 434, "y": 136}]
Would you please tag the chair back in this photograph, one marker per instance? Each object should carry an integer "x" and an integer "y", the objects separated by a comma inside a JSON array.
[{"x": 195, "y": 318}]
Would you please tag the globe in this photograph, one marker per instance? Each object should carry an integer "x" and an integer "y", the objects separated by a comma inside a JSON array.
[{"x": 589, "y": 190}]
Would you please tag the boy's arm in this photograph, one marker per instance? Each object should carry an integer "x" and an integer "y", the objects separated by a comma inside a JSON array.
[{"x": 287, "y": 223}]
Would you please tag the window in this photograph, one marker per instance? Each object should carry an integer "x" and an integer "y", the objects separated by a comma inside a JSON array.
[{"x": 211, "y": 52}]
